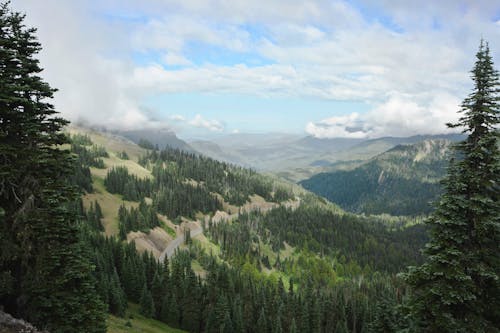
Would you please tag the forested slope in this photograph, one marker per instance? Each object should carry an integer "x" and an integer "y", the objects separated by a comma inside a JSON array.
[
  {"x": 402, "y": 181},
  {"x": 299, "y": 243}
]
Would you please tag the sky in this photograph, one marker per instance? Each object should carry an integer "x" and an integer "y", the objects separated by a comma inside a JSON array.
[{"x": 359, "y": 69}]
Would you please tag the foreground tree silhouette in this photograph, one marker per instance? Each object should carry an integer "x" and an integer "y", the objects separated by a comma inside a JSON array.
[
  {"x": 45, "y": 275},
  {"x": 457, "y": 289}
]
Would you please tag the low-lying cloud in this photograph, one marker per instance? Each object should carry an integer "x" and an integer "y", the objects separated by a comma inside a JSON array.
[
  {"x": 211, "y": 125},
  {"x": 398, "y": 116}
]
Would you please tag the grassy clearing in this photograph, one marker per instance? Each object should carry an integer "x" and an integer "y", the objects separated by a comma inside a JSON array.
[
  {"x": 168, "y": 230},
  {"x": 140, "y": 324},
  {"x": 198, "y": 269},
  {"x": 208, "y": 246},
  {"x": 114, "y": 161},
  {"x": 109, "y": 205},
  {"x": 112, "y": 143}
]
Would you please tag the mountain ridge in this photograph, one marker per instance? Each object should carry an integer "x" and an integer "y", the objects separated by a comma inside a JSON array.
[{"x": 401, "y": 181}]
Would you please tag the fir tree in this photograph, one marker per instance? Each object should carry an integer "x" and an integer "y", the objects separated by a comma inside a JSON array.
[
  {"x": 227, "y": 325},
  {"x": 146, "y": 303},
  {"x": 262, "y": 322},
  {"x": 157, "y": 293},
  {"x": 164, "y": 312},
  {"x": 457, "y": 289},
  {"x": 117, "y": 300},
  {"x": 293, "y": 326},
  {"x": 46, "y": 264}
]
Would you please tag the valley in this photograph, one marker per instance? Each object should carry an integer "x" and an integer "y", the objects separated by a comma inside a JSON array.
[
  {"x": 227, "y": 173},
  {"x": 265, "y": 228}
]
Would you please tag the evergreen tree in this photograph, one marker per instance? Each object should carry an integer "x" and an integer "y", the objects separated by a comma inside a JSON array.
[
  {"x": 164, "y": 313},
  {"x": 173, "y": 313},
  {"x": 117, "y": 300},
  {"x": 157, "y": 293},
  {"x": 385, "y": 320},
  {"x": 227, "y": 325},
  {"x": 457, "y": 289},
  {"x": 237, "y": 316},
  {"x": 46, "y": 265},
  {"x": 262, "y": 322},
  {"x": 146, "y": 303},
  {"x": 293, "y": 327}
]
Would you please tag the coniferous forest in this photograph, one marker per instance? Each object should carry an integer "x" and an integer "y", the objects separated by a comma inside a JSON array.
[{"x": 270, "y": 257}]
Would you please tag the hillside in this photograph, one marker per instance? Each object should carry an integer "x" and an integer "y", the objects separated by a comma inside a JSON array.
[
  {"x": 402, "y": 181},
  {"x": 158, "y": 137},
  {"x": 220, "y": 222}
]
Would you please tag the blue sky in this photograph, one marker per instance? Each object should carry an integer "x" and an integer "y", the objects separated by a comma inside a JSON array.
[{"x": 212, "y": 67}]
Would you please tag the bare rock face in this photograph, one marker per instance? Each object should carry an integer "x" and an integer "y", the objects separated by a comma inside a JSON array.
[{"x": 9, "y": 324}]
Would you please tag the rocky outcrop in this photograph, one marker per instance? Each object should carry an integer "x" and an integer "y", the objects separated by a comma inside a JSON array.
[{"x": 9, "y": 324}]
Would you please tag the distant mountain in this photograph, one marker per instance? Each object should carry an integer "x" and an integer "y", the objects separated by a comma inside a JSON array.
[
  {"x": 213, "y": 150},
  {"x": 369, "y": 148},
  {"x": 296, "y": 158},
  {"x": 328, "y": 145},
  {"x": 402, "y": 181},
  {"x": 242, "y": 140},
  {"x": 161, "y": 137}
]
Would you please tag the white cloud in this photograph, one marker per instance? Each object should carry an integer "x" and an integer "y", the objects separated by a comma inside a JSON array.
[
  {"x": 398, "y": 116},
  {"x": 177, "y": 117},
  {"x": 211, "y": 125},
  {"x": 349, "y": 126},
  {"x": 413, "y": 69}
]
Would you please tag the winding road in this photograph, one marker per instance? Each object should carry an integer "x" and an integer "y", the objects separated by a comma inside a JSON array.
[{"x": 174, "y": 244}]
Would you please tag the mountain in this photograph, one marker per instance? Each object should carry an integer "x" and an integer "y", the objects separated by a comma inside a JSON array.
[
  {"x": 327, "y": 145},
  {"x": 213, "y": 150},
  {"x": 402, "y": 181},
  {"x": 241, "y": 140},
  {"x": 297, "y": 158},
  {"x": 161, "y": 137}
]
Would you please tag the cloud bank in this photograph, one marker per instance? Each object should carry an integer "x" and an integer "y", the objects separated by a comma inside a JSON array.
[
  {"x": 398, "y": 116},
  {"x": 409, "y": 62}
]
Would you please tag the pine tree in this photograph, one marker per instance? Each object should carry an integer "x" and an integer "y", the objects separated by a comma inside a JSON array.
[
  {"x": 157, "y": 292},
  {"x": 117, "y": 299},
  {"x": 47, "y": 266},
  {"x": 457, "y": 289},
  {"x": 146, "y": 303},
  {"x": 173, "y": 313},
  {"x": 293, "y": 326},
  {"x": 164, "y": 312},
  {"x": 262, "y": 322},
  {"x": 385, "y": 318},
  {"x": 227, "y": 324}
]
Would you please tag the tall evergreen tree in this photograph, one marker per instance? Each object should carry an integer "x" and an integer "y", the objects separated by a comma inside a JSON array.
[
  {"x": 457, "y": 289},
  {"x": 146, "y": 303},
  {"x": 47, "y": 270}
]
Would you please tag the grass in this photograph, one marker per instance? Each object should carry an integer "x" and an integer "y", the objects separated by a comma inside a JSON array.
[
  {"x": 140, "y": 324},
  {"x": 207, "y": 245},
  {"x": 198, "y": 269},
  {"x": 169, "y": 230},
  {"x": 109, "y": 205},
  {"x": 111, "y": 142},
  {"x": 114, "y": 161}
]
